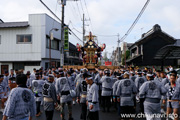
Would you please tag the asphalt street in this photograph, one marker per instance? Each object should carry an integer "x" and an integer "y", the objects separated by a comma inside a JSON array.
[
  {"x": 76, "y": 114},
  {"x": 112, "y": 115}
]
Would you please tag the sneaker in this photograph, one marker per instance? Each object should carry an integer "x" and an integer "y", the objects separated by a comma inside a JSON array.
[{"x": 162, "y": 111}]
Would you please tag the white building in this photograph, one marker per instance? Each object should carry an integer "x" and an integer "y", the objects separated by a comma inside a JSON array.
[
  {"x": 25, "y": 45},
  {"x": 116, "y": 56}
]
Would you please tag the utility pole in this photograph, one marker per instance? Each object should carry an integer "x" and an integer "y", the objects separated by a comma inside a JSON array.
[
  {"x": 63, "y": 2},
  {"x": 62, "y": 33},
  {"x": 118, "y": 49},
  {"x": 84, "y": 31},
  {"x": 125, "y": 53}
]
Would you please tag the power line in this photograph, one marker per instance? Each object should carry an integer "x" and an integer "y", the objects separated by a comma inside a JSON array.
[
  {"x": 60, "y": 20},
  {"x": 70, "y": 8},
  {"x": 136, "y": 20},
  {"x": 75, "y": 35},
  {"x": 73, "y": 11},
  {"x": 89, "y": 16},
  {"x": 78, "y": 9},
  {"x": 55, "y": 13},
  {"x": 74, "y": 27},
  {"x": 51, "y": 11},
  {"x": 76, "y": 30},
  {"x": 106, "y": 35},
  {"x": 81, "y": 6}
]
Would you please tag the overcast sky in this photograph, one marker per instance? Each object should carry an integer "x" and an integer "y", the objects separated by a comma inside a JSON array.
[{"x": 108, "y": 17}]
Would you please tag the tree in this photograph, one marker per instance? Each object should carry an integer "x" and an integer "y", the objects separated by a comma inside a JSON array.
[{"x": 127, "y": 56}]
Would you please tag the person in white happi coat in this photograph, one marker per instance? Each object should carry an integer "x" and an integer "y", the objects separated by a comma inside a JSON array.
[
  {"x": 63, "y": 91},
  {"x": 20, "y": 104},
  {"x": 37, "y": 90},
  {"x": 92, "y": 99},
  {"x": 150, "y": 95}
]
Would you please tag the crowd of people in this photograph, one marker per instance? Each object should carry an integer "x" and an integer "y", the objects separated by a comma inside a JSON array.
[{"x": 125, "y": 89}]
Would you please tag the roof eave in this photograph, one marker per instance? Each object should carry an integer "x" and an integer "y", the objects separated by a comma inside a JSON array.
[{"x": 16, "y": 27}]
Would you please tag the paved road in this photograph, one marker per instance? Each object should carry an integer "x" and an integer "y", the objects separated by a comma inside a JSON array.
[{"x": 76, "y": 114}]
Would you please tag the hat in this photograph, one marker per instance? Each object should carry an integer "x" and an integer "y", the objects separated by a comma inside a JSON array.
[
  {"x": 88, "y": 75},
  {"x": 37, "y": 74},
  {"x": 1, "y": 76},
  {"x": 56, "y": 72},
  {"x": 131, "y": 72},
  {"x": 61, "y": 72},
  {"x": 144, "y": 72},
  {"x": 50, "y": 75},
  {"x": 149, "y": 74},
  {"x": 12, "y": 79},
  {"x": 139, "y": 71},
  {"x": 126, "y": 73},
  {"x": 107, "y": 72},
  {"x": 89, "y": 78},
  {"x": 119, "y": 76},
  {"x": 81, "y": 70}
]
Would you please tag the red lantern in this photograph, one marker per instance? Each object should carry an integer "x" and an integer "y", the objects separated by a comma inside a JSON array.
[
  {"x": 95, "y": 56},
  {"x": 104, "y": 46},
  {"x": 77, "y": 45}
]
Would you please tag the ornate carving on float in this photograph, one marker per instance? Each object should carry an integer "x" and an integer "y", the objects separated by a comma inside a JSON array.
[{"x": 90, "y": 52}]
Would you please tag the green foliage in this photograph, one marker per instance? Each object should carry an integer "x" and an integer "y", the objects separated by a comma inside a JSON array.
[
  {"x": 99, "y": 62},
  {"x": 127, "y": 57}
]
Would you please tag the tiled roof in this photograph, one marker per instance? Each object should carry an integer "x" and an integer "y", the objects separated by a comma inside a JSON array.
[{"x": 13, "y": 24}]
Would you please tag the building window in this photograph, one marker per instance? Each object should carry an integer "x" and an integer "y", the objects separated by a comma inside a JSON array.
[
  {"x": 54, "y": 44},
  {"x": 23, "y": 39}
]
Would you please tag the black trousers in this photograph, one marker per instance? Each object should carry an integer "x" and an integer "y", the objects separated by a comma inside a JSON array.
[
  {"x": 106, "y": 102},
  {"x": 100, "y": 97},
  {"x": 83, "y": 111},
  {"x": 141, "y": 104},
  {"x": 49, "y": 115},
  {"x": 38, "y": 105},
  {"x": 93, "y": 115}
]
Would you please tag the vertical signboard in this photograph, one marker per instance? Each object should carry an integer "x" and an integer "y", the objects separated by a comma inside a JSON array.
[{"x": 66, "y": 39}]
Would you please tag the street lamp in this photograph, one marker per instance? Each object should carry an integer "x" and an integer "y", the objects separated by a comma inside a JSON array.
[{"x": 51, "y": 38}]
